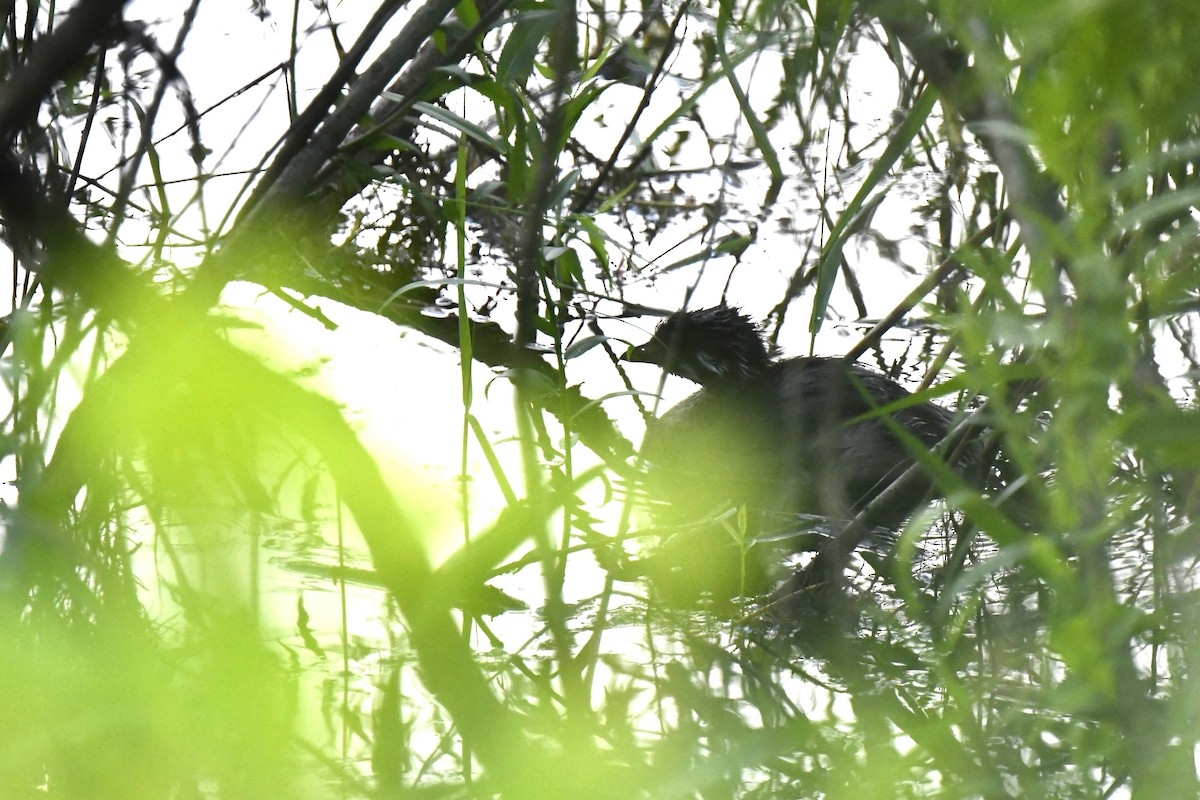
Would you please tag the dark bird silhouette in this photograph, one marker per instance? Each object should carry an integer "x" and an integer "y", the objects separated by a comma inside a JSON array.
[{"x": 782, "y": 438}]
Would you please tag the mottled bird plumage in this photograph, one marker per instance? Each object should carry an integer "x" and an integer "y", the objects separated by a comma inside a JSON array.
[
  {"x": 784, "y": 438},
  {"x": 799, "y": 434}
]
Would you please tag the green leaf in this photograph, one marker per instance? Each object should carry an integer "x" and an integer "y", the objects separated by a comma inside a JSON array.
[
  {"x": 462, "y": 125},
  {"x": 831, "y": 254},
  {"x": 596, "y": 238},
  {"x": 581, "y": 346},
  {"x": 761, "y": 138},
  {"x": 523, "y": 45},
  {"x": 561, "y": 189}
]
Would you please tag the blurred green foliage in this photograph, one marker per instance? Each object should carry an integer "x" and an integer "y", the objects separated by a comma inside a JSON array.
[{"x": 496, "y": 177}]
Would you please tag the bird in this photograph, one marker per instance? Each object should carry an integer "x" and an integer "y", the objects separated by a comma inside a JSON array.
[{"x": 782, "y": 438}]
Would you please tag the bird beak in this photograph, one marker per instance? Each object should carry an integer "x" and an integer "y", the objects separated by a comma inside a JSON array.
[{"x": 652, "y": 352}]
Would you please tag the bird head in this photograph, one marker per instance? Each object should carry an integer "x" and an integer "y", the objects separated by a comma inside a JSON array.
[{"x": 711, "y": 346}]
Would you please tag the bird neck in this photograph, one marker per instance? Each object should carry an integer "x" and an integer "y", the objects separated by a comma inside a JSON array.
[{"x": 747, "y": 384}]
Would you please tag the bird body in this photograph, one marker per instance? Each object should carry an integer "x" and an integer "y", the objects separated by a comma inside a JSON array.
[
  {"x": 806, "y": 435},
  {"x": 782, "y": 438}
]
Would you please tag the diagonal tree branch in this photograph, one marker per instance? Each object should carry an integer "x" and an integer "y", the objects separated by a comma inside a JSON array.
[
  {"x": 986, "y": 110},
  {"x": 295, "y": 178},
  {"x": 54, "y": 55},
  {"x": 74, "y": 264}
]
